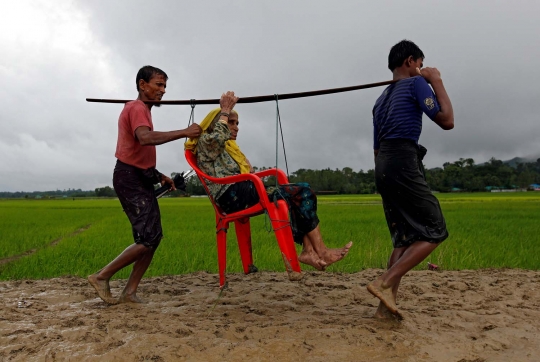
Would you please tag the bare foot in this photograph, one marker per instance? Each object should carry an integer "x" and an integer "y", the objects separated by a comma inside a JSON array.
[
  {"x": 385, "y": 295},
  {"x": 332, "y": 255},
  {"x": 102, "y": 288},
  {"x": 129, "y": 298},
  {"x": 383, "y": 313},
  {"x": 312, "y": 259}
]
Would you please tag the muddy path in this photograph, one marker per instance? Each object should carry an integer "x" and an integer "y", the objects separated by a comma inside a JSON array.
[{"x": 487, "y": 315}]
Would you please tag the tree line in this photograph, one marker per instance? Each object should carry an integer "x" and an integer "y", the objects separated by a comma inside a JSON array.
[
  {"x": 460, "y": 175},
  {"x": 494, "y": 174}
]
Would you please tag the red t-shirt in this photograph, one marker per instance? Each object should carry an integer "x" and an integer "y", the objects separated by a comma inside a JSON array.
[{"x": 128, "y": 149}]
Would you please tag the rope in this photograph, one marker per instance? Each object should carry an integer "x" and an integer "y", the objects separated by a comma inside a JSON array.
[
  {"x": 256, "y": 99},
  {"x": 282, "y": 139},
  {"x": 277, "y": 138},
  {"x": 270, "y": 229},
  {"x": 191, "y": 116}
]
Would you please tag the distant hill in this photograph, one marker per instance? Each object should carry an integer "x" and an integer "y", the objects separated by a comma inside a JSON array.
[{"x": 514, "y": 161}]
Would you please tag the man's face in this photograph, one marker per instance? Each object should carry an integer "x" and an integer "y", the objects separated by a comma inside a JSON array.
[
  {"x": 155, "y": 88},
  {"x": 233, "y": 125}
]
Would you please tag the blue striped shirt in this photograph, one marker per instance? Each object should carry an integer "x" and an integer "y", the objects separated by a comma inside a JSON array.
[{"x": 398, "y": 111}]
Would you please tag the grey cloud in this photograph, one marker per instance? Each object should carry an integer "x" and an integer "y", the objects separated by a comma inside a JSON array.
[{"x": 485, "y": 51}]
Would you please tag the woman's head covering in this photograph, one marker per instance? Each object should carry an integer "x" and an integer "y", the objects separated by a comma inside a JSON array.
[{"x": 230, "y": 146}]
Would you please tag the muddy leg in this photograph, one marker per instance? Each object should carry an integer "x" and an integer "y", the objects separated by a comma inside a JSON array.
[
  {"x": 383, "y": 312},
  {"x": 139, "y": 268},
  {"x": 100, "y": 280},
  {"x": 382, "y": 287}
]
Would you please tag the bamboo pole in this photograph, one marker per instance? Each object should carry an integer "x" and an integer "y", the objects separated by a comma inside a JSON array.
[{"x": 256, "y": 99}]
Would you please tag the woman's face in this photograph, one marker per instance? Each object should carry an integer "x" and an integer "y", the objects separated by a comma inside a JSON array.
[{"x": 233, "y": 125}]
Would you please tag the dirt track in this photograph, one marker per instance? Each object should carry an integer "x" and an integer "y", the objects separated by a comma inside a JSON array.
[{"x": 489, "y": 315}]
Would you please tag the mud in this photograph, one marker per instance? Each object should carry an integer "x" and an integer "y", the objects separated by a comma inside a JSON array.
[{"x": 465, "y": 316}]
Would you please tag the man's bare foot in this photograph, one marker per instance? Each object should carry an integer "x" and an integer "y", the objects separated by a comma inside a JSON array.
[
  {"x": 102, "y": 288},
  {"x": 312, "y": 259},
  {"x": 385, "y": 295},
  {"x": 129, "y": 298},
  {"x": 333, "y": 255},
  {"x": 383, "y": 313}
]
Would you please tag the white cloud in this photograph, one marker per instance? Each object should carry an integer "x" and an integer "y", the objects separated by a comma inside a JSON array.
[{"x": 52, "y": 62}]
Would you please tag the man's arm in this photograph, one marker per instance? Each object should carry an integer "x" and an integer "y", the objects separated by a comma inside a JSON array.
[
  {"x": 445, "y": 117},
  {"x": 147, "y": 137}
]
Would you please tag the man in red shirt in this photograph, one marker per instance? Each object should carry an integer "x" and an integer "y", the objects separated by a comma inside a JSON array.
[{"x": 134, "y": 178}]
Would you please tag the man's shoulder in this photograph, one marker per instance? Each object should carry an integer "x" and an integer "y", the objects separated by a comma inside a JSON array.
[
  {"x": 134, "y": 107},
  {"x": 135, "y": 104},
  {"x": 419, "y": 81}
]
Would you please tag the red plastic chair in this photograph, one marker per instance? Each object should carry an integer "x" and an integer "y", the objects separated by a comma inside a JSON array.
[{"x": 278, "y": 213}]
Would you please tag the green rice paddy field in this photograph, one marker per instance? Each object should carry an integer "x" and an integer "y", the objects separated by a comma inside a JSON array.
[{"x": 51, "y": 238}]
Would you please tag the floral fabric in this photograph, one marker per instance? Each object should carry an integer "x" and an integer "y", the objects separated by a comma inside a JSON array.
[{"x": 213, "y": 160}]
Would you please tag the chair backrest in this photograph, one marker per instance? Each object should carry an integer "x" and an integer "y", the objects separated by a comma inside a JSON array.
[
  {"x": 191, "y": 159},
  {"x": 264, "y": 203}
]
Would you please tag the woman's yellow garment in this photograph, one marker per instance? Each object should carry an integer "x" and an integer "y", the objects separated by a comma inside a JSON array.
[{"x": 230, "y": 146}]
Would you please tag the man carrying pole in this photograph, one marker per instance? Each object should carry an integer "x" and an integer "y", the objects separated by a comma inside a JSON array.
[
  {"x": 134, "y": 178},
  {"x": 413, "y": 214}
]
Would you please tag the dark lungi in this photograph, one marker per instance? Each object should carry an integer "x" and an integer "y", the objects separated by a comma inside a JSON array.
[
  {"x": 135, "y": 190},
  {"x": 412, "y": 212}
]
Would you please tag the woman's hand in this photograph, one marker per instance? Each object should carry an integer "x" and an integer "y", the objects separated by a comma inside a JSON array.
[{"x": 228, "y": 101}]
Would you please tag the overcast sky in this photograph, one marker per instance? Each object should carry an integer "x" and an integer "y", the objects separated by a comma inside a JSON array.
[{"x": 57, "y": 53}]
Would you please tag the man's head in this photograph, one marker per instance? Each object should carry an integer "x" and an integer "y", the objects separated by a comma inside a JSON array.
[
  {"x": 151, "y": 83},
  {"x": 405, "y": 53}
]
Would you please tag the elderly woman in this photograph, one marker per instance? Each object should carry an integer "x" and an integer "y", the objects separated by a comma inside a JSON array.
[{"x": 218, "y": 155}]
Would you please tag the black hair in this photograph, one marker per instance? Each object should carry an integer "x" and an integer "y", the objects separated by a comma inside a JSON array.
[
  {"x": 402, "y": 51},
  {"x": 147, "y": 72}
]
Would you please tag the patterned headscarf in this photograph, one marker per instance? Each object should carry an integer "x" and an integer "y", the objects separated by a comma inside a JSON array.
[{"x": 230, "y": 146}]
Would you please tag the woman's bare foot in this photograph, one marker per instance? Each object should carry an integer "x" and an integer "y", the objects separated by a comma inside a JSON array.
[
  {"x": 102, "y": 288},
  {"x": 129, "y": 298},
  {"x": 333, "y": 255},
  {"x": 312, "y": 259},
  {"x": 385, "y": 295}
]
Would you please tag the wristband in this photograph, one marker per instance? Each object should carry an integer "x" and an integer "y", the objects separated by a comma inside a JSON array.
[{"x": 224, "y": 114}]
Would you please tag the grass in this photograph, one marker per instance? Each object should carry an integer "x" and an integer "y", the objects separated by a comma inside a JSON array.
[{"x": 487, "y": 230}]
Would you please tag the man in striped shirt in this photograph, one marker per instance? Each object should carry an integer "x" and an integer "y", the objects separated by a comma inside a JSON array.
[{"x": 413, "y": 214}]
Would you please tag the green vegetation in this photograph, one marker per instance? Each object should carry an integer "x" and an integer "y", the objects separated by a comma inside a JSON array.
[
  {"x": 461, "y": 175},
  {"x": 495, "y": 174},
  {"x": 487, "y": 230}
]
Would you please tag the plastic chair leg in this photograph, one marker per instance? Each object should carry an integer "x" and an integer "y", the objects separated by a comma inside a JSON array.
[
  {"x": 284, "y": 236},
  {"x": 222, "y": 252},
  {"x": 243, "y": 235}
]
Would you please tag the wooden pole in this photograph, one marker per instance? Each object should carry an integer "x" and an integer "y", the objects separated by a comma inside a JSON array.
[{"x": 256, "y": 99}]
